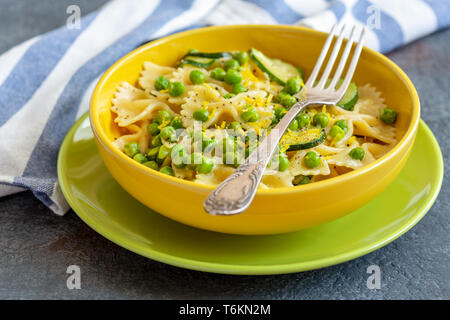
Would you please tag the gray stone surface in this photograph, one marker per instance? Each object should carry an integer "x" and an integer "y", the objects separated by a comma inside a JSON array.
[{"x": 36, "y": 246}]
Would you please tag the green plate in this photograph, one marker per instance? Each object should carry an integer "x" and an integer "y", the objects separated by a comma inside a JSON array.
[{"x": 98, "y": 200}]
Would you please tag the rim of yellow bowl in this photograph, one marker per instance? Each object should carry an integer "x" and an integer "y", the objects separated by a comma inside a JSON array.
[{"x": 103, "y": 139}]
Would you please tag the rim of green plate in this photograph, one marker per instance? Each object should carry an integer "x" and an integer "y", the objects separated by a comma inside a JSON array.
[{"x": 236, "y": 268}]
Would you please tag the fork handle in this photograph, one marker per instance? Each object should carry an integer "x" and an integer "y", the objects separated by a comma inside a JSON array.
[{"x": 235, "y": 194}]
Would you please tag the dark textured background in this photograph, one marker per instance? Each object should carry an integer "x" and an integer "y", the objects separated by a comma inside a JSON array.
[{"x": 36, "y": 246}]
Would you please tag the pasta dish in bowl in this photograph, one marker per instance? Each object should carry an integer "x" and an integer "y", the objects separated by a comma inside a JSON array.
[
  {"x": 200, "y": 120},
  {"x": 172, "y": 122}
]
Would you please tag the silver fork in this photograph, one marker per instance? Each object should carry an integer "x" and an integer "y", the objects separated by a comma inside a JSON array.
[{"x": 235, "y": 194}]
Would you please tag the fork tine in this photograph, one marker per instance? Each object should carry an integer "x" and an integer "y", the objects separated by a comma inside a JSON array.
[
  {"x": 322, "y": 56},
  {"x": 344, "y": 57},
  {"x": 333, "y": 56},
  {"x": 352, "y": 67}
]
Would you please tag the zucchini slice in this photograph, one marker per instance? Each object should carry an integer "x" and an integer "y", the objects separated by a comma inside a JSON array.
[
  {"x": 200, "y": 62},
  {"x": 304, "y": 139},
  {"x": 278, "y": 71},
  {"x": 211, "y": 55},
  {"x": 350, "y": 97}
]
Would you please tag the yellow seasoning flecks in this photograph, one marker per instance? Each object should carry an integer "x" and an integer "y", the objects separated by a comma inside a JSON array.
[
  {"x": 351, "y": 140},
  {"x": 209, "y": 87},
  {"x": 163, "y": 124}
]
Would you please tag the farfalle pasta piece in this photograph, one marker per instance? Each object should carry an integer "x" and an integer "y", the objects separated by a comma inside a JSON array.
[
  {"x": 132, "y": 105},
  {"x": 277, "y": 179},
  {"x": 151, "y": 72},
  {"x": 343, "y": 158},
  {"x": 136, "y": 133},
  {"x": 369, "y": 102}
]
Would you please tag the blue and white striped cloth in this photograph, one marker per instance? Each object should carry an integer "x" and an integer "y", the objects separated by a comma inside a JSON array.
[{"x": 46, "y": 82}]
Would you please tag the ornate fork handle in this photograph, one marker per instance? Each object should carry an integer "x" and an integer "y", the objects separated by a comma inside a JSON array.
[{"x": 235, "y": 194}]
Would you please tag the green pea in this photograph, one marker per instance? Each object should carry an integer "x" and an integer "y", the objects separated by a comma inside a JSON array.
[
  {"x": 342, "y": 124},
  {"x": 167, "y": 170},
  {"x": 280, "y": 112},
  {"x": 388, "y": 115},
  {"x": 337, "y": 132},
  {"x": 168, "y": 133},
  {"x": 151, "y": 164},
  {"x": 163, "y": 116},
  {"x": 156, "y": 141},
  {"x": 312, "y": 159},
  {"x": 176, "y": 89},
  {"x": 320, "y": 119},
  {"x": 303, "y": 120},
  {"x": 293, "y": 125},
  {"x": 163, "y": 153},
  {"x": 139, "y": 157},
  {"x": 231, "y": 158},
  {"x": 235, "y": 125},
  {"x": 206, "y": 142},
  {"x": 131, "y": 149},
  {"x": 280, "y": 96},
  {"x": 357, "y": 153},
  {"x": 283, "y": 163},
  {"x": 233, "y": 77},
  {"x": 176, "y": 123},
  {"x": 161, "y": 83},
  {"x": 287, "y": 100},
  {"x": 201, "y": 115},
  {"x": 241, "y": 57},
  {"x": 299, "y": 180},
  {"x": 249, "y": 115},
  {"x": 179, "y": 156},
  {"x": 238, "y": 88},
  {"x": 152, "y": 153},
  {"x": 293, "y": 85},
  {"x": 196, "y": 158},
  {"x": 152, "y": 128},
  {"x": 232, "y": 64},
  {"x": 218, "y": 74},
  {"x": 197, "y": 77},
  {"x": 206, "y": 166},
  {"x": 229, "y": 95}
]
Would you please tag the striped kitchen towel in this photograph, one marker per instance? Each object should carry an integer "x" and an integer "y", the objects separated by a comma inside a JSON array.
[{"x": 46, "y": 82}]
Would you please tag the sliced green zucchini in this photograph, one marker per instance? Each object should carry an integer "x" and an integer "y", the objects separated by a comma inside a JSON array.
[
  {"x": 350, "y": 97},
  {"x": 278, "y": 71},
  {"x": 303, "y": 139},
  {"x": 212, "y": 55},
  {"x": 197, "y": 61}
]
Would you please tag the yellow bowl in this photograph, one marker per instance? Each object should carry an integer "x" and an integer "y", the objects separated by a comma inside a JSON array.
[{"x": 273, "y": 210}]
